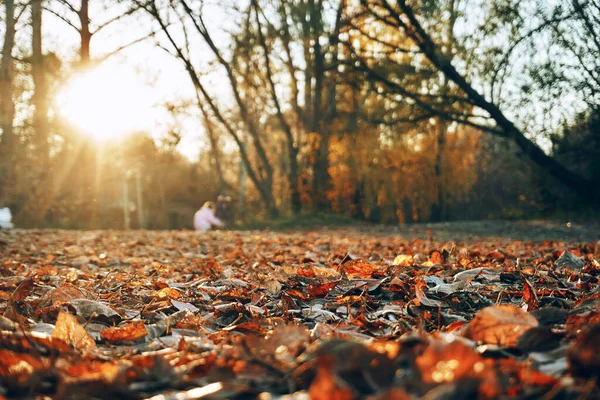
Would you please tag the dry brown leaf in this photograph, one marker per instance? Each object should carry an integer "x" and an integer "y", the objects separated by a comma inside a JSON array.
[
  {"x": 89, "y": 309},
  {"x": 69, "y": 330},
  {"x": 583, "y": 353},
  {"x": 62, "y": 294},
  {"x": 501, "y": 324},
  {"x": 18, "y": 296}
]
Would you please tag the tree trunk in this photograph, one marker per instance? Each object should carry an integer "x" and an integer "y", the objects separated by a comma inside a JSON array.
[
  {"x": 438, "y": 209},
  {"x": 40, "y": 117},
  {"x": 40, "y": 94},
  {"x": 7, "y": 107},
  {"x": 294, "y": 176},
  {"x": 86, "y": 36},
  {"x": 289, "y": 136},
  {"x": 214, "y": 145},
  {"x": 321, "y": 166}
]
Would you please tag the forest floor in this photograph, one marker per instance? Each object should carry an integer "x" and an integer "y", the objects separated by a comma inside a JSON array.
[{"x": 451, "y": 310}]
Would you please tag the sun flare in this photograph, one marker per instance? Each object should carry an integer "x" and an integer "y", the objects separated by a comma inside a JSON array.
[{"x": 107, "y": 102}]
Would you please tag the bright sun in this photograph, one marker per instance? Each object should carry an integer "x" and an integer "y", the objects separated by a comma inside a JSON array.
[{"x": 107, "y": 102}]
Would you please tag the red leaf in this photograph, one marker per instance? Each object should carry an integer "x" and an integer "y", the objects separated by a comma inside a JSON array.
[
  {"x": 318, "y": 289},
  {"x": 529, "y": 295}
]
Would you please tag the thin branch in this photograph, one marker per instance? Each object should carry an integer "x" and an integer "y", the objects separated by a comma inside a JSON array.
[
  {"x": 123, "y": 47},
  {"x": 63, "y": 18},
  {"x": 117, "y": 18},
  {"x": 69, "y": 6}
]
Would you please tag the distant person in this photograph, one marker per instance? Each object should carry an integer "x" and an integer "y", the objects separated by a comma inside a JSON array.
[
  {"x": 5, "y": 218},
  {"x": 223, "y": 209},
  {"x": 205, "y": 218}
]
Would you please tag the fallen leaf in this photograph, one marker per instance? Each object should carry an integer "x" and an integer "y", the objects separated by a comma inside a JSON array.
[
  {"x": 70, "y": 331},
  {"x": 403, "y": 260},
  {"x": 20, "y": 373},
  {"x": 167, "y": 292},
  {"x": 569, "y": 260},
  {"x": 328, "y": 386},
  {"x": 358, "y": 268},
  {"x": 94, "y": 310},
  {"x": 320, "y": 289},
  {"x": 445, "y": 362},
  {"x": 501, "y": 324},
  {"x": 65, "y": 293},
  {"x": 436, "y": 258},
  {"x": 583, "y": 354},
  {"x": 529, "y": 295},
  {"x": 13, "y": 309},
  {"x": 131, "y": 332}
]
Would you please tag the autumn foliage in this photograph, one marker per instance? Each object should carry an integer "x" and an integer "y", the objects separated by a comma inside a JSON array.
[{"x": 329, "y": 314}]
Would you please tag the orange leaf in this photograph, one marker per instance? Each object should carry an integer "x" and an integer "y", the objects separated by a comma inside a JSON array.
[
  {"x": 403, "y": 260},
  {"x": 327, "y": 385},
  {"x": 168, "y": 292},
  {"x": 70, "y": 331},
  {"x": 436, "y": 258},
  {"x": 93, "y": 371},
  {"x": 21, "y": 371},
  {"x": 19, "y": 295},
  {"x": 130, "y": 332},
  {"x": 500, "y": 324},
  {"x": 297, "y": 294},
  {"x": 318, "y": 289},
  {"x": 306, "y": 271},
  {"x": 529, "y": 295},
  {"x": 358, "y": 269},
  {"x": 63, "y": 294},
  {"x": 496, "y": 255},
  {"x": 447, "y": 362},
  {"x": 22, "y": 291}
]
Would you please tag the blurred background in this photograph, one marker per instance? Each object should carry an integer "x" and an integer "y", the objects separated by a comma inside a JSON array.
[{"x": 133, "y": 113}]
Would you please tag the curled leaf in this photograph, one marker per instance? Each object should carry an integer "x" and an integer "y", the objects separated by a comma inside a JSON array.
[{"x": 94, "y": 310}]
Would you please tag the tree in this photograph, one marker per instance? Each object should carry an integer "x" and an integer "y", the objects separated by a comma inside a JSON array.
[
  {"x": 87, "y": 26},
  {"x": 261, "y": 172},
  {"x": 469, "y": 106},
  {"x": 40, "y": 93},
  {"x": 7, "y": 106}
]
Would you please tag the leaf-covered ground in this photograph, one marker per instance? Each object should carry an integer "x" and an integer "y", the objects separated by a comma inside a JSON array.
[{"x": 329, "y": 314}]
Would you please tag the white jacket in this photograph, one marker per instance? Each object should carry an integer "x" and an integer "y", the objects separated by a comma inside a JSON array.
[
  {"x": 204, "y": 218},
  {"x": 5, "y": 218}
]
